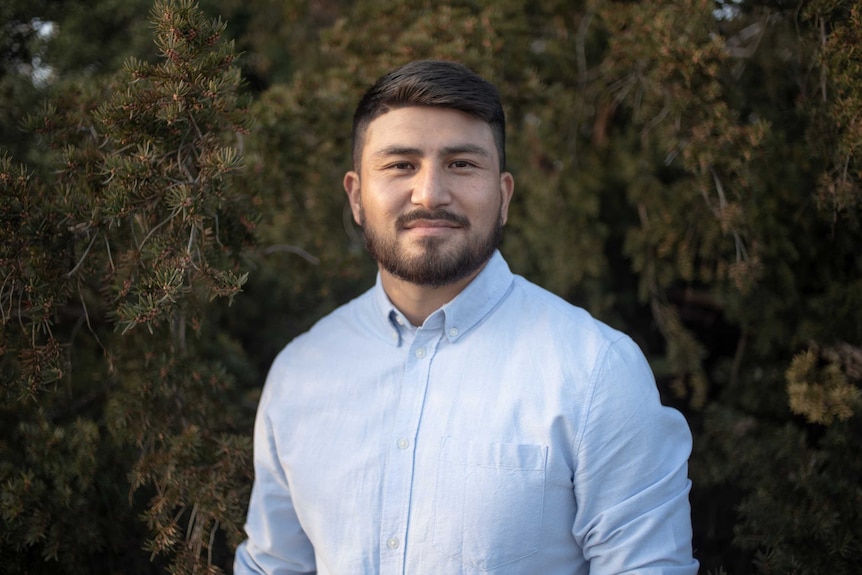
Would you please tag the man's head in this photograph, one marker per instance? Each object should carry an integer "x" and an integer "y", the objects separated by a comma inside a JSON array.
[
  {"x": 432, "y": 83},
  {"x": 428, "y": 187}
]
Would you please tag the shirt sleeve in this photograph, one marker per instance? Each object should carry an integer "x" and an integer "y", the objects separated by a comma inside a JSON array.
[
  {"x": 631, "y": 482},
  {"x": 276, "y": 543}
]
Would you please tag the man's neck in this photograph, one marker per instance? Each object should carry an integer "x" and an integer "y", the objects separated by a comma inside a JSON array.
[{"x": 417, "y": 302}]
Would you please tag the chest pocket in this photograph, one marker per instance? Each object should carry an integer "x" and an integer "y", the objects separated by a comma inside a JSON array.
[{"x": 489, "y": 500}]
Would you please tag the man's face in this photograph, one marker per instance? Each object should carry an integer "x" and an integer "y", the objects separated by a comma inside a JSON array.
[{"x": 429, "y": 194}]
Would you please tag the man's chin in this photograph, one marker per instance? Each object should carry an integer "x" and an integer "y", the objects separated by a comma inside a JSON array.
[
  {"x": 417, "y": 243},
  {"x": 432, "y": 270}
]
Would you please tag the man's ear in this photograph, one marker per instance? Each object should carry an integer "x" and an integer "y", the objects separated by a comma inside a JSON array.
[
  {"x": 507, "y": 188},
  {"x": 351, "y": 186}
]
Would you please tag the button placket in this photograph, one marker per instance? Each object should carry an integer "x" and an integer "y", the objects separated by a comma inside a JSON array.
[{"x": 398, "y": 476}]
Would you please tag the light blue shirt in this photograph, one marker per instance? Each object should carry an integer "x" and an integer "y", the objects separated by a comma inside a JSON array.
[{"x": 511, "y": 433}]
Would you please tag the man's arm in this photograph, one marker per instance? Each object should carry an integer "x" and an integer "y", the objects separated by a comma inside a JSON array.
[
  {"x": 631, "y": 481},
  {"x": 276, "y": 543}
]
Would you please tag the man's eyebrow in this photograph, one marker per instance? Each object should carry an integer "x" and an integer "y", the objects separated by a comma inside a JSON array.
[
  {"x": 398, "y": 151},
  {"x": 464, "y": 149}
]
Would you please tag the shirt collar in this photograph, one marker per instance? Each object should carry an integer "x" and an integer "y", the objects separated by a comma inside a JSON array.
[{"x": 459, "y": 315}]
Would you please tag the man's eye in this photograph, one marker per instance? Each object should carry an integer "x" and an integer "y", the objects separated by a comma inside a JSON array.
[
  {"x": 401, "y": 165},
  {"x": 461, "y": 164}
]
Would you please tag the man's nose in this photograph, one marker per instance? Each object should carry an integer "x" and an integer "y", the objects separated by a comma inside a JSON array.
[{"x": 431, "y": 188}]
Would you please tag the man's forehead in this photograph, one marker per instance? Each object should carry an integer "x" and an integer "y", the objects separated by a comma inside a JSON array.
[{"x": 424, "y": 125}]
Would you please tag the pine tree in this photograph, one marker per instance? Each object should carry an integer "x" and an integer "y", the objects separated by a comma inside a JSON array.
[{"x": 115, "y": 386}]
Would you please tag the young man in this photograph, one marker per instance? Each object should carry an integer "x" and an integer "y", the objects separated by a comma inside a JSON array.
[{"x": 456, "y": 418}]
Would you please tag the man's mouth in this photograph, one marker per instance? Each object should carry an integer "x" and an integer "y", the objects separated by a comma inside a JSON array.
[
  {"x": 431, "y": 219},
  {"x": 430, "y": 224}
]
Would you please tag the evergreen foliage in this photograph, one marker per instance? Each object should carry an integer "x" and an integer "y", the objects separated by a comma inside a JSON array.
[
  {"x": 114, "y": 385},
  {"x": 688, "y": 170}
]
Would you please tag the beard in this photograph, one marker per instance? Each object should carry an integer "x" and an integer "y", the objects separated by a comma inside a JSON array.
[{"x": 437, "y": 264}]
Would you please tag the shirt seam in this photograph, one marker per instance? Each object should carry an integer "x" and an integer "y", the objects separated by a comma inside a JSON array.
[{"x": 595, "y": 377}]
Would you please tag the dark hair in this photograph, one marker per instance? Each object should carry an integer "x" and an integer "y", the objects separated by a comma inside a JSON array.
[{"x": 432, "y": 83}]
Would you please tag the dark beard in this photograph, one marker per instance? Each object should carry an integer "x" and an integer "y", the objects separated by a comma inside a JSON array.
[{"x": 439, "y": 266}]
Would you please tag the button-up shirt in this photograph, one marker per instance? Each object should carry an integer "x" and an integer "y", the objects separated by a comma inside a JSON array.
[{"x": 511, "y": 433}]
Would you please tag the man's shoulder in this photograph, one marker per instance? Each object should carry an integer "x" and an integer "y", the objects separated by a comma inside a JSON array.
[
  {"x": 335, "y": 328},
  {"x": 307, "y": 366},
  {"x": 558, "y": 331},
  {"x": 538, "y": 307}
]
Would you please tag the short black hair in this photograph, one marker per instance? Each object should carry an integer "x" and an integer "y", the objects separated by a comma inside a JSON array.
[{"x": 435, "y": 83}]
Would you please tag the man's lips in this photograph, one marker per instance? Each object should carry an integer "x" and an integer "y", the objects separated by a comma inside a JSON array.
[
  {"x": 422, "y": 219},
  {"x": 430, "y": 224}
]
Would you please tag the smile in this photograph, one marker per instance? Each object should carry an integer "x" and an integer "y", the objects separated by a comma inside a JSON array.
[
  {"x": 427, "y": 220},
  {"x": 423, "y": 224}
]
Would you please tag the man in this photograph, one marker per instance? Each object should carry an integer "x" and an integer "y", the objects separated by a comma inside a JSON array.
[{"x": 456, "y": 418}]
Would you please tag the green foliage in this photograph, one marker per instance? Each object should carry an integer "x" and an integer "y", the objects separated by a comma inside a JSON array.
[
  {"x": 823, "y": 393},
  {"x": 797, "y": 514},
  {"x": 108, "y": 359},
  {"x": 33, "y": 255},
  {"x": 838, "y": 198},
  {"x": 687, "y": 174}
]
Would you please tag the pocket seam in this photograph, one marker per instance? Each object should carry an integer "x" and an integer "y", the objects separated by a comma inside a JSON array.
[{"x": 498, "y": 456}]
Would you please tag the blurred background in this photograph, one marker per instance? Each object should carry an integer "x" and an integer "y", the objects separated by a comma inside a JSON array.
[{"x": 171, "y": 215}]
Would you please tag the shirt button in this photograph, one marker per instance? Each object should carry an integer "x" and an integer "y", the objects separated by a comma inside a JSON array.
[
  {"x": 403, "y": 443},
  {"x": 392, "y": 543},
  {"x": 420, "y": 353},
  {"x": 453, "y": 332}
]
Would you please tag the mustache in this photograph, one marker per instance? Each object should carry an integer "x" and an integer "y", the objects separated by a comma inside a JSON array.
[{"x": 438, "y": 214}]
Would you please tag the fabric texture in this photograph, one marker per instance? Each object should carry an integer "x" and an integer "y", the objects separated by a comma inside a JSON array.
[{"x": 511, "y": 433}]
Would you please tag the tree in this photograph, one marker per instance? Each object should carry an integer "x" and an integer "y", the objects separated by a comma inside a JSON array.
[{"x": 115, "y": 386}]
